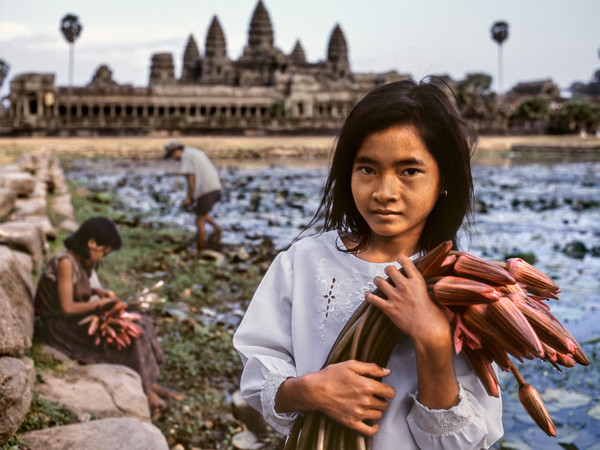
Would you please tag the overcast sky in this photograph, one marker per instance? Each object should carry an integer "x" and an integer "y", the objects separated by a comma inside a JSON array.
[{"x": 556, "y": 39}]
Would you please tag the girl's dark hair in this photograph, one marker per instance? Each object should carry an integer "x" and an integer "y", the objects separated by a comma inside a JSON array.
[
  {"x": 429, "y": 107},
  {"x": 101, "y": 229}
]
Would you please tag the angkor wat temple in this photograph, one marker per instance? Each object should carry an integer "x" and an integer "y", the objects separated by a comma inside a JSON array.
[{"x": 264, "y": 90}]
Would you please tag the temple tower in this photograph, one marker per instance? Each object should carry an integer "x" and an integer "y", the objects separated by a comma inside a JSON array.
[
  {"x": 260, "y": 33},
  {"x": 216, "y": 66},
  {"x": 337, "y": 55},
  {"x": 297, "y": 56},
  {"x": 190, "y": 70},
  {"x": 162, "y": 69}
]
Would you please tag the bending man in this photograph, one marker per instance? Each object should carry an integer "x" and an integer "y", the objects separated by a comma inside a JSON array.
[{"x": 203, "y": 187}]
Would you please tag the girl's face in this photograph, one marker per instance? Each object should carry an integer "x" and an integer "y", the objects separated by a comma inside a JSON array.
[
  {"x": 395, "y": 183},
  {"x": 97, "y": 252}
]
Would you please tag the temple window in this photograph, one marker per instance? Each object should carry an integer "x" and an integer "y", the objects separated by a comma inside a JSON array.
[{"x": 33, "y": 106}]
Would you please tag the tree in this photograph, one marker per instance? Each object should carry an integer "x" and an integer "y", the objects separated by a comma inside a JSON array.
[
  {"x": 4, "y": 68},
  {"x": 474, "y": 97},
  {"x": 500, "y": 34},
  {"x": 71, "y": 29},
  {"x": 533, "y": 109},
  {"x": 579, "y": 115}
]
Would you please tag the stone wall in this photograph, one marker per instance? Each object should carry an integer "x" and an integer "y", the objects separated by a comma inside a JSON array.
[
  {"x": 31, "y": 189},
  {"x": 33, "y": 198}
]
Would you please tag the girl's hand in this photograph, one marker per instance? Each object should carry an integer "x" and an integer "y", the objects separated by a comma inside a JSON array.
[
  {"x": 409, "y": 305},
  {"x": 107, "y": 303},
  {"x": 411, "y": 309},
  {"x": 105, "y": 293},
  {"x": 346, "y": 392}
]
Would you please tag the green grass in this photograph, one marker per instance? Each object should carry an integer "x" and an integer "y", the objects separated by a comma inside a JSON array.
[{"x": 201, "y": 362}]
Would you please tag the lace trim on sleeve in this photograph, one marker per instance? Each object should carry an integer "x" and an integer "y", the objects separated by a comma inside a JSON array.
[
  {"x": 282, "y": 422},
  {"x": 443, "y": 421}
]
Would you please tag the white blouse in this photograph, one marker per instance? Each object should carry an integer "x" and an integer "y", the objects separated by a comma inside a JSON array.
[{"x": 297, "y": 312}]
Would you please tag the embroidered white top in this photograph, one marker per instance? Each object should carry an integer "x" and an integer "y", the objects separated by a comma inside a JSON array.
[{"x": 297, "y": 312}]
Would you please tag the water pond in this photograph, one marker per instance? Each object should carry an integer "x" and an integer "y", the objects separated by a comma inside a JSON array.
[{"x": 548, "y": 208}]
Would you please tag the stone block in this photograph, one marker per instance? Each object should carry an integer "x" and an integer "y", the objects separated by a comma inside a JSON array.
[
  {"x": 17, "y": 376},
  {"x": 25, "y": 207},
  {"x": 61, "y": 206},
  {"x": 101, "y": 390},
  {"x": 16, "y": 306},
  {"x": 23, "y": 184},
  {"x": 7, "y": 201},
  {"x": 26, "y": 237},
  {"x": 105, "y": 434},
  {"x": 43, "y": 222}
]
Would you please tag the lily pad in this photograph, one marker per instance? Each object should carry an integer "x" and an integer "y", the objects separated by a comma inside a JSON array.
[
  {"x": 559, "y": 398},
  {"x": 594, "y": 412}
]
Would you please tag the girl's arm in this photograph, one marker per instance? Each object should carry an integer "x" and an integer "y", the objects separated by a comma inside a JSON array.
[
  {"x": 345, "y": 392},
  {"x": 64, "y": 280},
  {"x": 411, "y": 309}
]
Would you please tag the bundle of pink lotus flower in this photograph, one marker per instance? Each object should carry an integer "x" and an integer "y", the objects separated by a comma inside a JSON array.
[
  {"x": 496, "y": 309},
  {"x": 115, "y": 326}
]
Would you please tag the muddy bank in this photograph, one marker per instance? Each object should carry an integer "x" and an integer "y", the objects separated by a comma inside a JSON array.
[{"x": 251, "y": 147}]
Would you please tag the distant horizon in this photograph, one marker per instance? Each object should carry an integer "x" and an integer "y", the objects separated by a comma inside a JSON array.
[{"x": 430, "y": 37}]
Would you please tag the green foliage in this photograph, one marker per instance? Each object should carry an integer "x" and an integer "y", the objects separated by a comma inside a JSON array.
[
  {"x": 43, "y": 361},
  {"x": 525, "y": 256},
  {"x": 200, "y": 361},
  {"x": 577, "y": 114},
  {"x": 474, "y": 97},
  {"x": 277, "y": 109},
  {"x": 13, "y": 443},
  {"x": 533, "y": 108},
  {"x": 44, "y": 413}
]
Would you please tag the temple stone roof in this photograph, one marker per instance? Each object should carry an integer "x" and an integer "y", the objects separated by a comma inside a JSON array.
[
  {"x": 191, "y": 58},
  {"x": 260, "y": 33},
  {"x": 297, "y": 54},
  {"x": 216, "y": 46}
]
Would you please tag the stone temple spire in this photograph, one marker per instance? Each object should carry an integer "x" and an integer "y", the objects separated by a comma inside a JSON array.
[
  {"x": 216, "y": 47},
  {"x": 191, "y": 59},
  {"x": 297, "y": 55},
  {"x": 215, "y": 67},
  {"x": 337, "y": 54},
  {"x": 260, "y": 34}
]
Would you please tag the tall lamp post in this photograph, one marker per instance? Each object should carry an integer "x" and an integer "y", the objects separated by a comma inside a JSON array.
[
  {"x": 500, "y": 34},
  {"x": 71, "y": 29}
]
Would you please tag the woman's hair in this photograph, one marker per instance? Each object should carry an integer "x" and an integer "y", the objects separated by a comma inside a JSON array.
[
  {"x": 429, "y": 107},
  {"x": 101, "y": 229}
]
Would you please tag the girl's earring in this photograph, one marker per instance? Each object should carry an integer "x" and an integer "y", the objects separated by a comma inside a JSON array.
[{"x": 445, "y": 193}]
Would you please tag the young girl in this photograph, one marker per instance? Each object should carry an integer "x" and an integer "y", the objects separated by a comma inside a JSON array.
[
  {"x": 400, "y": 183},
  {"x": 62, "y": 299}
]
